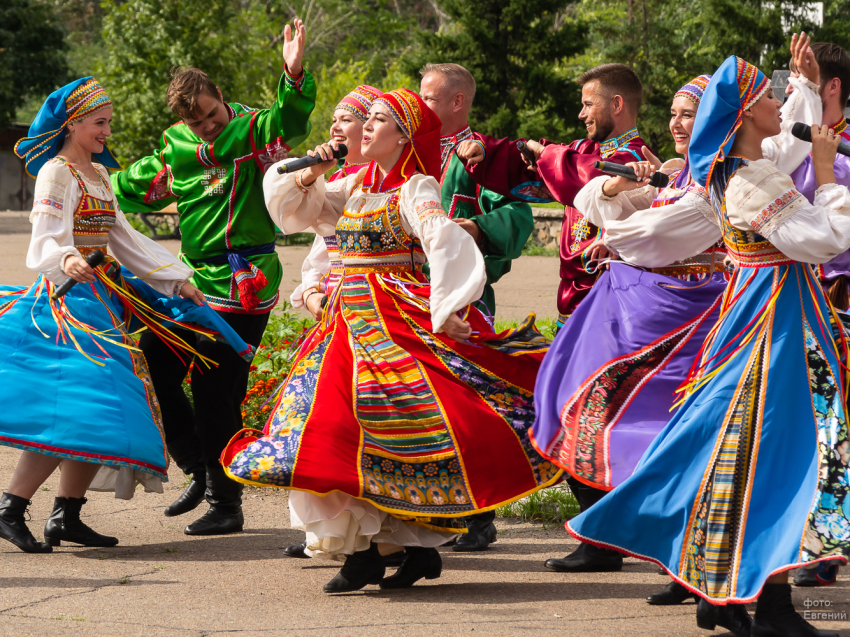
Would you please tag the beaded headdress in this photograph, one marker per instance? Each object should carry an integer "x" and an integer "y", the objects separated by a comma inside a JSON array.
[
  {"x": 69, "y": 104},
  {"x": 359, "y": 101},
  {"x": 694, "y": 89},
  {"x": 733, "y": 88}
]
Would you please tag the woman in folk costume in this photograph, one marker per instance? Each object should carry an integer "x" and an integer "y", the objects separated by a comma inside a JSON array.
[
  {"x": 396, "y": 409},
  {"x": 750, "y": 477},
  {"x": 75, "y": 388},
  {"x": 322, "y": 268}
]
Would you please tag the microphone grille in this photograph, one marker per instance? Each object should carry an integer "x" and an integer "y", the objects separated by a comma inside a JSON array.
[{"x": 802, "y": 131}]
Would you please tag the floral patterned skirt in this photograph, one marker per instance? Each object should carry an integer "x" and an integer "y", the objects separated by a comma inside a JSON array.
[
  {"x": 750, "y": 478},
  {"x": 380, "y": 408}
]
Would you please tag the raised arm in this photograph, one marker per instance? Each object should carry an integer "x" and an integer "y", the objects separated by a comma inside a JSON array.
[
  {"x": 457, "y": 265},
  {"x": 146, "y": 185}
]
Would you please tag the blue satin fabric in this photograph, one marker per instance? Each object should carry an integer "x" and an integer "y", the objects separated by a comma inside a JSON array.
[
  {"x": 58, "y": 402},
  {"x": 650, "y": 514}
]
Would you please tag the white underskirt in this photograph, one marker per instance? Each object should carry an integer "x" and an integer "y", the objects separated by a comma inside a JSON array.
[
  {"x": 338, "y": 525},
  {"x": 123, "y": 481}
]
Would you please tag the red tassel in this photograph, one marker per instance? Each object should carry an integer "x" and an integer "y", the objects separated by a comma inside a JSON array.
[{"x": 249, "y": 283}]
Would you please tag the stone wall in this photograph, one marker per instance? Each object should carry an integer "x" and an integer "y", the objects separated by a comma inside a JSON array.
[{"x": 547, "y": 226}]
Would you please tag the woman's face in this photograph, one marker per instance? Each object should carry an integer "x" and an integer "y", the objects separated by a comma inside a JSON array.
[
  {"x": 766, "y": 119},
  {"x": 347, "y": 129},
  {"x": 381, "y": 135},
  {"x": 91, "y": 132},
  {"x": 682, "y": 114}
]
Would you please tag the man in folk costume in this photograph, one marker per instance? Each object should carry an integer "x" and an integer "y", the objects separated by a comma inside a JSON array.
[
  {"x": 611, "y": 98},
  {"x": 499, "y": 225},
  {"x": 212, "y": 164}
]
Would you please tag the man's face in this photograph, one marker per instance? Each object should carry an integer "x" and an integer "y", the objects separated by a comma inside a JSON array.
[
  {"x": 437, "y": 96},
  {"x": 210, "y": 117},
  {"x": 596, "y": 112}
]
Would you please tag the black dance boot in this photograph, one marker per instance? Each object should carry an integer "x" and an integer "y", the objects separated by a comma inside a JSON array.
[
  {"x": 360, "y": 569},
  {"x": 481, "y": 532},
  {"x": 733, "y": 617},
  {"x": 297, "y": 550},
  {"x": 587, "y": 559},
  {"x": 776, "y": 617},
  {"x": 13, "y": 525},
  {"x": 186, "y": 453},
  {"x": 671, "y": 595},
  {"x": 64, "y": 524},
  {"x": 225, "y": 499},
  {"x": 418, "y": 562}
]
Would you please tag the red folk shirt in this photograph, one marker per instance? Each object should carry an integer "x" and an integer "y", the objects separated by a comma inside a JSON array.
[{"x": 562, "y": 170}]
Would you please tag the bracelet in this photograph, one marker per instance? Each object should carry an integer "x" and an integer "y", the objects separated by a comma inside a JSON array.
[
  {"x": 480, "y": 143},
  {"x": 309, "y": 293}
]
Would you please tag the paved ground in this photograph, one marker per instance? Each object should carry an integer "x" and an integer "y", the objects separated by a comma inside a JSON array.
[
  {"x": 159, "y": 581},
  {"x": 529, "y": 287}
]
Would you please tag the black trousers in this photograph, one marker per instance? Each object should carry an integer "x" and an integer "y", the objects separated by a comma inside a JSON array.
[
  {"x": 586, "y": 495},
  {"x": 196, "y": 437}
]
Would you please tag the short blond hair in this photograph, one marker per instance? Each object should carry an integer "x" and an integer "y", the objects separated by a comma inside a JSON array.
[
  {"x": 458, "y": 78},
  {"x": 187, "y": 83}
]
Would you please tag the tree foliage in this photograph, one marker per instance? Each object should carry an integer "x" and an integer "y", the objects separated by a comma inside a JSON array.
[{"x": 32, "y": 55}]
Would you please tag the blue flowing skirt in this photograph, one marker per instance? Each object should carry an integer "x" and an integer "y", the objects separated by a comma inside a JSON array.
[
  {"x": 750, "y": 476},
  {"x": 77, "y": 388},
  {"x": 606, "y": 387}
]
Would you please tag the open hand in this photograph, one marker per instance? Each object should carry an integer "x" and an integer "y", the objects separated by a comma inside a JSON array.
[
  {"x": 470, "y": 152},
  {"x": 456, "y": 329},
  {"x": 293, "y": 47},
  {"x": 79, "y": 270},
  {"x": 189, "y": 291},
  {"x": 804, "y": 57}
]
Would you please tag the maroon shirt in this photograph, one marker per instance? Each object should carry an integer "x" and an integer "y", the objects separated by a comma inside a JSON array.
[{"x": 562, "y": 170}]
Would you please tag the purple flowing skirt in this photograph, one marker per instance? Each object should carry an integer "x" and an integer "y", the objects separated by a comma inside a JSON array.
[{"x": 606, "y": 387}]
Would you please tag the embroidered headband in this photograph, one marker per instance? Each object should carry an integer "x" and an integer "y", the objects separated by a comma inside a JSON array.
[
  {"x": 359, "y": 101},
  {"x": 404, "y": 108},
  {"x": 694, "y": 89}
]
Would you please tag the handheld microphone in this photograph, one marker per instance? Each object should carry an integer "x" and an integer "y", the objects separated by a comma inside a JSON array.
[
  {"x": 804, "y": 132},
  {"x": 94, "y": 260},
  {"x": 294, "y": 165},
  {"x": 658, "y": 179},
  {"x": 526, "y": 152}
]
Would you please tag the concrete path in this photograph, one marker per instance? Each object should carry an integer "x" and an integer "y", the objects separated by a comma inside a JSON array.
[{"x": 159, "y": 581}]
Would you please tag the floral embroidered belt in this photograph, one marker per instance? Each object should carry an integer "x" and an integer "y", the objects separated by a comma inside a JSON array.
[
  {"x": 382, "y": 268},
  {"x": 759, "y": 258}
]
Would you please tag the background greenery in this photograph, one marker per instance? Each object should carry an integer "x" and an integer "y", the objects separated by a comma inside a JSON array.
[{"x": 525, "y": 54}]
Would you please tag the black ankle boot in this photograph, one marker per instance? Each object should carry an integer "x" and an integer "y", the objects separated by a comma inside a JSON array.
[
  {"x": 587, "y": 559},
  {"x": 733, "y": 617},
  {"x": 418, "y": 562},
  {"x": 13, "y": 525},
  {"x": 190, "y": 498},
  {"x": 360, "y": 569},
  {"x": 672, "y": 594},
  {"x": 297, "y": 550},
  {"x": 225, "y": 499},
  {"x": 481, "y": 532},
  {"x": 776, "y": 617},
  {"x": 65, "y": 524}
]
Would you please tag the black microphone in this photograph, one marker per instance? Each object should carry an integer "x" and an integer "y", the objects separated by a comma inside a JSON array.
[
  {"x": 658, "y": 179},
  {"x": 804, "y": 132},
  {"x": 294, "y": 165},
  {"x": 94, "y": 260}
]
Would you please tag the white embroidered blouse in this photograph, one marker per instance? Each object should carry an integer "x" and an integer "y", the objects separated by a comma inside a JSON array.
[
  {"x": 57, "y": 195},
  {"x": 456, "y": 263}
]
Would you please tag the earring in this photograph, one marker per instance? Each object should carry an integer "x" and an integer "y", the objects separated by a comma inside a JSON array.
[{"x": 400, "y": 142}]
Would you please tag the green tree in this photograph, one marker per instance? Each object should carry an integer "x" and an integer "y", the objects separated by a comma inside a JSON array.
[
  {"x": 514, "y": 49},
  {"x": 32, "y": 55}
]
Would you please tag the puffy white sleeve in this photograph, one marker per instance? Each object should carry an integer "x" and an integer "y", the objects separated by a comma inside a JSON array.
[
  {"x": 803, "y": 105},
  {"x": 760, "y": 198},
  {"x": 56, "y": 196},
  {"x": 315, "y": 267},
  {"x": 456, "y": 263},
  {"x": 657, "y": 237},
  {"x": 295, "y": 207}
]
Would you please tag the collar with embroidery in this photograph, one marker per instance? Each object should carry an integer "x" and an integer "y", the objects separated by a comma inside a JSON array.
[
  {"x": 449, "y": 142},
  {"x": 608, "y": 147},
  {"x": 840, "y": 127}
]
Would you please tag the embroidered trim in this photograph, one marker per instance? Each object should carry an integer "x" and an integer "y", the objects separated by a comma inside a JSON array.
[
  {"x": 294, "y": 82},
  {"x": 449, "y": 142},
  {"x": 427, "y": 208},
  {"x": 611, "y": 145},
  {"x": 235, "y": 306},
  {"x": 304, "y": 189},
  {"x": 47, "y": 202},
  {"x": 777, "y": 212}
]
